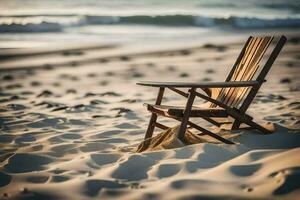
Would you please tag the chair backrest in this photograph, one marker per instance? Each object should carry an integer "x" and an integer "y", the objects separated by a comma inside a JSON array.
[{"x": 247, "y": 68}]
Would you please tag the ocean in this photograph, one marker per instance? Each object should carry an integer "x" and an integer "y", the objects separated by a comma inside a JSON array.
[{"x": 26, "y": 23}]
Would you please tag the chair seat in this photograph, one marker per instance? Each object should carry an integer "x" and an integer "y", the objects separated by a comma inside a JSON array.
[{"x": 177, "y": 111}]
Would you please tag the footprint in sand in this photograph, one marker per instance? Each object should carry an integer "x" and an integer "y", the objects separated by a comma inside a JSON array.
[
  {"x": 8, "y": 77},
  {"x": 291, "y": 182},
  {"x": 184, "y": 153},
  {"x": 96, "y": 146},
  {"x": 183, "y": 75},
  {"x": 247, "y": 188},
  {"x": 107, "y": 134},
  {"x": 37, "y": 179},
  {"x": 127, "y": 126},
  {"x": 245, "y": 170},
  {"x": 93, "y": 187},
  {"x": 6, "y": 138},
  {"x": 45, "y": 93},
  {"x": 59, "y": 179},
  {"x": 23, "y": 162},
  {"x": 61, "y": 150},
  {"x": 285, "y": 80},
  {"x": 105, "y": 158},
  {"x": 187, "y": 183},
  {"x": 25, "y": 138},
  {"x": 91, "y": 75},
  {"x": 35, "y": 83},
  {"x": 167, "y": 170},
  {"x": 104, "y": 83},
  {"x": 71, "y": 91},
  {"x": 71, "y": 136},
  {"x": 4, "y": 179},
  {"x": 210, "y": 71},
  {"x": 135, "y": 168}
]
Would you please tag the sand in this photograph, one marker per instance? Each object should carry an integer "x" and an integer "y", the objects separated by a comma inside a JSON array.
[{"x": 70, "y": 119}]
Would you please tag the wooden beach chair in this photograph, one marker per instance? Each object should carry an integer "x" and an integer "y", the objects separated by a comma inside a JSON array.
[{"x": 227, "y": 100}]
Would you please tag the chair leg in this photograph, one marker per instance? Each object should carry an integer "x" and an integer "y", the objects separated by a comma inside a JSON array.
[
  {"x": 153, "y": 118},
  {"x": 236, "y": 125},
  {"x": 257, "y": 126},
  {"x": 186, "y": 114},
  {"x": 151, "y": 126},
  {"x": 249, "y": 121}
]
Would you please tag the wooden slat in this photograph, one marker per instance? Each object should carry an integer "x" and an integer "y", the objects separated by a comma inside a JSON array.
[
  {"x": 233, "y": 73},
  {"x": 261, "y": 77},
  {"x": 240, "y": 57},
  {"x": 205, "y": 131},
  {"x": 179, "y": 92},
  {"x": 250, "y": 70},
  {"x": 244, "y": 91},
  {"x": 153, "y": 118},
  {"x": 224, "y": 91},
  {"x": 161, "y": 126},
  {"x": 243, "y": 69}
]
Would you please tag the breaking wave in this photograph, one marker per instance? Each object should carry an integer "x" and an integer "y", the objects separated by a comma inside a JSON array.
[{"x": 57, "y": 23}]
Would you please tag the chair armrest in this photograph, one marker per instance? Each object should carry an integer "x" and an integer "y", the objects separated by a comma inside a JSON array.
[{"x": 200, "y": 85}]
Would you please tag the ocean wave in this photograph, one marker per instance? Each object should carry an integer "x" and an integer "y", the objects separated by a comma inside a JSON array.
[
  {"x": 59, "y": 23},
  {"x": 31, "y": 27},
  {"x": 191, "y": 20}
]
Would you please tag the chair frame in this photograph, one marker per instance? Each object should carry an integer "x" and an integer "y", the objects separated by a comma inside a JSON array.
[{"x": 239, "y": 115}]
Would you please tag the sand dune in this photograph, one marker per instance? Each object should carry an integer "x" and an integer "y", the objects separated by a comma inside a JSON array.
[{"x": 69, "y": 126}]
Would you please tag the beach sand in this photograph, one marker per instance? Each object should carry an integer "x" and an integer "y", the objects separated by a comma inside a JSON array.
[{"x": 70, "y": 119}]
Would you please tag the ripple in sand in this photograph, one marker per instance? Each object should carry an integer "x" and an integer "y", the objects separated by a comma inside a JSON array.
[
  {"x": 104, "y": 159},
  {"x": 114, "y": 94},
  {"x": 71, "y": 136},
  {"x": 6, "y": 138},
  {"x": 4, "y": 179},
  {"x": 93, "y": 187},
  {"x": 107, "y": 134},
  {"x": 122, "y": 110},
  {"x": 183, "y": 75},
  {"x": 37, "y": 179},
  {"x": 23, "y": 162},
  {"x": 103, "y": 83},
  {"x": 77, "y": 122},
  {"x": 59, "y": 179},
  {"x": 220, "y": 48},
  {"x": 188, "y": 183},
  {"x": 96, "y": 101},
  {"x": 61, "y": 150},
  {"x": 101, "y": 116},
  {"x": 57, "y": 123},
  {"x": 16, "y": 107},
  {"x": 45, "y": 93},
  {"x": 285, "y": 80},
  {"x": 71, "y": 91},
  {"x": 167, "y": 170},
  {"x": 245, "y": 170},
  {"x": 291, "y": 182},
  {"x": 127, "y": 126},
  {"x": 184, "y": 153},
  {"x": 210, "y": 71},
  {"x": 25, "y": 138},
  {"x": 95, "y": 146},
  {"x": 35, "y": 83},
  {"x": 8, "y": 77},
  {"x": 135, "y": 168},
  {"x": 115, "y": 140},
  {"x": 131, "y": 100}
]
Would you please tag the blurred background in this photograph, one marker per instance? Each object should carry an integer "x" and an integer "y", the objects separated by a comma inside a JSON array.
[{"x": 30, "y": 23}]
